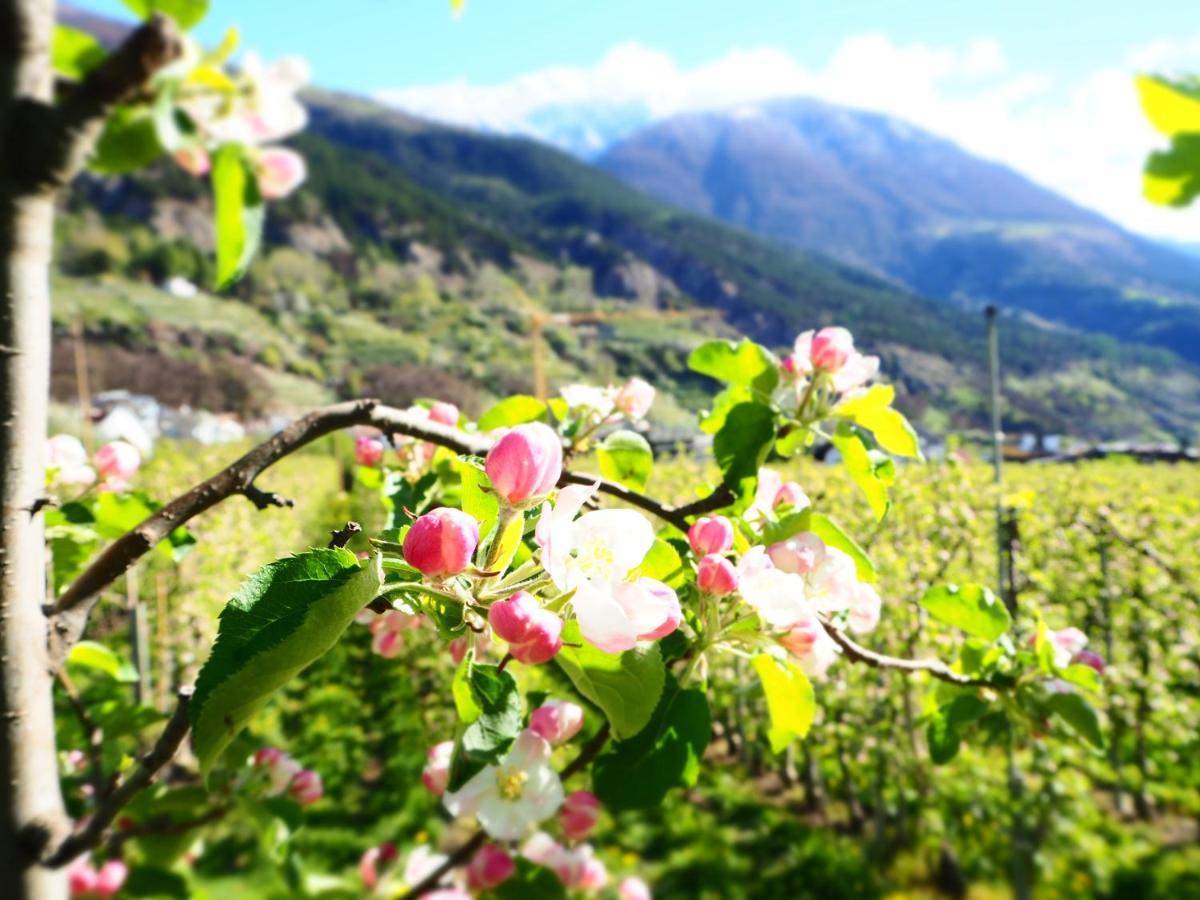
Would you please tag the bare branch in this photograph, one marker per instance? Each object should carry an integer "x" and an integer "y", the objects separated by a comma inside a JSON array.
[
  {"x": 160, "y": 754},
  {"x": 934, "y": 667},
  {"x": 69, "y": 614},
  {"x": 160, "y": 825},
  {"x": 57, "y": 148},
  {"x": 341, "y": 537},
  {"x": 266, "y": 499}
]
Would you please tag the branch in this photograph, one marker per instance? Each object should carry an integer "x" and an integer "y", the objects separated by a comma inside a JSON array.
[
  {"x": 934, "y": 667},
  {"x": 341, "y": 537},
  {"x": 92, "y": 733},
  {"x": 69, "y": 614},
  {"x": 70, "y": 130},
  {"x": 463, "y": 854},
  {"x": 107, "y": 809},
  {"x": 164, "y": 825}
]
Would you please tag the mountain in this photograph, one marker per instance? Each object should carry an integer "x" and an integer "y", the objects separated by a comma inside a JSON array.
[
  {"x": 876, "y": 192},
  {"x": 410, "y": 263}
]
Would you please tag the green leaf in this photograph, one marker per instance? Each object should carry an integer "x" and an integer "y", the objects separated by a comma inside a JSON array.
[
  {"x": 1043, "y": 649},
  {"x": 129, "y": 142},
  {"x": 75, "y": 52},
  {"x": 964, "y": 709},
  {"x": 660, "y": 563},
  {"x": 626, "y": 457},
  {"x": 790, "y": 700},
  {"x": 478, "y": 501},
  {"x": 151, "y": 881},
  {"x": 515, "y": 410},
  {"x": 832, "y": 534},
  {"x": 529, "y": 882},
  {"x": 1084, "y": 676},
  {"x": 186, "y": 13},
  {"x": 1172, "y": 177},
  {"x": 625, "y": 686},
  {"x": 637, "y": 773},
  {"x": 862, "y": 470},
  {"x": 786, "y": 527},
  {"x": 726, "y": 400},
  {"x": 873, "y": 411},
  {"x": 1171, "y": 108},
  {"x": 403, "y": 494},
  {"x": 1080, "y": 715},
  {"x": 282, "y": 619},
  {"x": 91, "y": 655},
  {"x": 742, "y": 444},
  {"x": 745, "y": 363},
  {"x": 971, "y": 608},
  {"x": 238, "y": 213},
  {"x": 495, "y": 723},
  {"x": 943, "y": 739}
]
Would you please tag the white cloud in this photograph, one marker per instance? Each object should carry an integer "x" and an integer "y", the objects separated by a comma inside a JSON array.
[{"x": 1085, "y": 139}]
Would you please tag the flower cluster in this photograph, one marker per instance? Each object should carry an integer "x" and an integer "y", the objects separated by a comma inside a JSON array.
[
  {"x": 823, "y": 366},
  {"x": 113, "y": 465},
  {"x": 85, "y": 881},
  {"x": 280, "y": 774}
]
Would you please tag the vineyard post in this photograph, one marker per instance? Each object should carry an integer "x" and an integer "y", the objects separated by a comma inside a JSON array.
[{"x": 993, "y": 339}]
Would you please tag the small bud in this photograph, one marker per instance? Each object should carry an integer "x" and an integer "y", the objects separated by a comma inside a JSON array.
[
  {"x": 534, "y": 635},
  {"x": 441, "y": 542},
  {"x": 368, "y": 450},
  {"x": 373, "y": 859},
  {"x": 579, "y": 814},
  {"x": 716, "y": 576},
  {"x": 525, "y": 464},
  {"x": 711, "y": 534},
  {"x": 280, "y": 171},
  {"x": 556, "y": 720},
  {"x": 635, "y": 398},
  {"x": 791, "y": 494},
  {"x": 831, "y": 347},
  {"x": 82, "y": 878},
  {"x": 489, "y": 868},
  {"x": 436, "y": 774},
  {"x": 1088, "y": 658},
  {"x": 306, "y": 787},
  {"x": 117, "y": 461},
  {"x": 633, "y": 888},
  {"x": 444, "y": 413},
  {"x": 800, "y": 554},
  {"x": 110, "y": 878}
]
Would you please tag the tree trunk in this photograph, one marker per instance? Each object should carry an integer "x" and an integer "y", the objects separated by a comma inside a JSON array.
[{"x": 31, "y": 806}]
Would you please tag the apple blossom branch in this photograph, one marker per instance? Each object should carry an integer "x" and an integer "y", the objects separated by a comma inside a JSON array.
[
  {"x": 934, "y": 667},
  {"x": 462, "y": 855},
  {"x": 54, "y": 142},
  {"x": 70, "y": 612},
  {"x": 160, "y": 754}
]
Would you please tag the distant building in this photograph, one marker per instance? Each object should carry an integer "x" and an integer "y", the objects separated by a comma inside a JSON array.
[{"x": 178, "y": 286}]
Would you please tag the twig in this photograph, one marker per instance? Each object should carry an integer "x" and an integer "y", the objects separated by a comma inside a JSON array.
[
  {"x": 934, "y": 667},
  {"x": 92, "y": 733},
  {"x": 265, "y": 499},
  {"x": 69, "y": 614},
  {"x": 463, "y": 854},
  {"x": 160, "y": 754},
  {"x": 164, "y": 825},
  {"x": 341, "y": 537}
]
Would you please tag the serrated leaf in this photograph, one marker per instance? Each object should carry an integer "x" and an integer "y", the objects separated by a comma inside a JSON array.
[
  {"x": 873, "y": 411},
  {"x": 721, "y": 405},
  {"x": 626, "y": 686},
  {"x": 498, "y": 701},
  {"x": 791, "y": 703},
  {"x": 742, "y": 445},
  {"x": 970, "y": 607},
  {"x": 186, "y": 13},
  {"x": 637, "y": 773},
  {"x": 626, "y": 458},
  {"x": 282, "y": 619},
  {"x": 832, "y": 534},
  {"x": 75, "y": 52},
  {"x": 478, "y": 501},
  {"x": 857, "y": 462},
  {"x": 745, "y": 363},
  {"x": 238, "y": 212},
  {"x": 515, "y": 410},
  {"x": 1080, "y": 715}
]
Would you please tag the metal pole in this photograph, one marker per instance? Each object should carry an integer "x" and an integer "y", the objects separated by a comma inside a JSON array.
[{"x": 993, "y": 337}]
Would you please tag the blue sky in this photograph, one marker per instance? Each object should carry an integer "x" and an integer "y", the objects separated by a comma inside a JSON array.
[{"x": 1043, "y": 85}]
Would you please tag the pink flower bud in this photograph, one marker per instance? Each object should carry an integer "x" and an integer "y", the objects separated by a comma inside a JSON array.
[
  {"x": 436, "y": 774},
  {"x": 831, "y": 347},
  {"x": 368, "y": 450},
  {"x": 534, "y": 635},
  {"x": 82, "y": 878},
  {"x": 117, "y": 460},
  {"x": 633, "y": 888},
  {"x": 193, "y": 160},
  {"x": 635, "y": 398},
  {"x": 268, "y": 756},
  {"x": 1088, "y": 658},
  {"x": 556, "y": 720},
  {"x": 798, "y": 555},
  {"x": 526, "y": 463},
  {"x": 372, "y": 861},
  {"x": 715, "y": 575},
  {"x": 441, "y": 542},
  {"x": 791, "y": 494},
  {"x": 306, "y": 787},
  {"x": 579, "y": 814},
  {"x": 444, "y": 413},
  {"x": 489, "y": 867},
  {"x": 711, "y": 534},
  {"x": 280, "y": 171},
  {"x": 386, "y": 632},
  {"x": 791, "y": 367},
  {"x": 594, "y": 876},
  {"x": 110, "y": 878}
]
